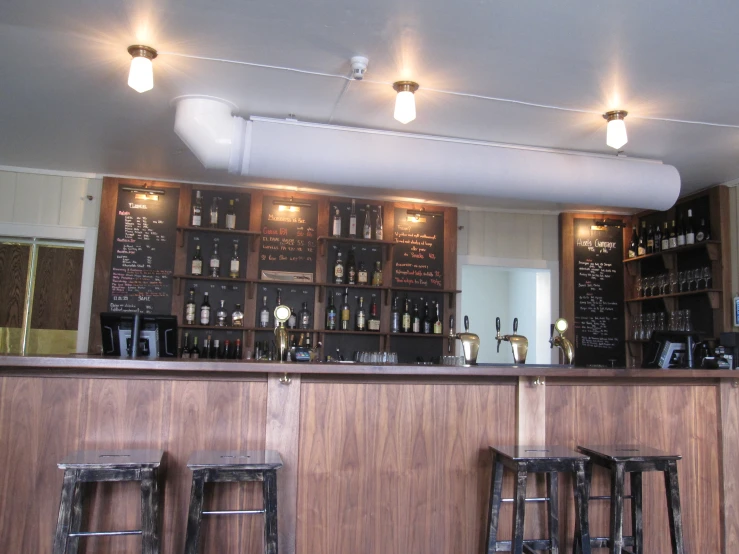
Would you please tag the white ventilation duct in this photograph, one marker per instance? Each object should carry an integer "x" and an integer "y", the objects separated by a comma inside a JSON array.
[{"x": 293, "y": 150}]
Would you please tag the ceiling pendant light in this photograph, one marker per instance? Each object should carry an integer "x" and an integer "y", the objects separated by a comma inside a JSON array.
[
  {"x": 141, "y": 75},
  {"x": 405, "y": 103},
  {"x": 616, "y": 131}
]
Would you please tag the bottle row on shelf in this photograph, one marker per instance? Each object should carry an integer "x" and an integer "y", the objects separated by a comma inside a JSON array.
[
  {"x": 653, "y": 240},
  {"x": 337, "y": 224},
  {"x": 348, "y": 272},
  {"x": 212, "y": 348},
  {"x": 214, "y": 262},
  {"x": 222, "y": 317},
  {"x": 196, "y": 213}
]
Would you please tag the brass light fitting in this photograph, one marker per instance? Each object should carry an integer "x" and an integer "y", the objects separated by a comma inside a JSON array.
[
  {"x": 405, "y": 86},
  {"x": 142, "y": 51}
]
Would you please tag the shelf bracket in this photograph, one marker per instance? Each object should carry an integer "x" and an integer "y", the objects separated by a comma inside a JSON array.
[
  {"x": 714, "y": 298},
  {"x": 250, "y": 287},
  {"x": 253, "y": 242},
  {"x": 320, "y": 293},
  {"x": 714, "y": 252},
  {"x": 181, "y": 237}
]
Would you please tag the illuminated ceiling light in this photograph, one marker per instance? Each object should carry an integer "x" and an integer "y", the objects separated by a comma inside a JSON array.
[
  {"x": 405, "y": 103},
  {"x": 141, "y": 76},
  {"x": 616, "y": 132}
]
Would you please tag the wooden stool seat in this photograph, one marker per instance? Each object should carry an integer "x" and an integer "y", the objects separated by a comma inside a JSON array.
[
  {"x": 97, "y": 466},
  {"x": 536, "y": 459},
  {"x": 621, "y": 459},
  {"x": 227, "y": 467}
]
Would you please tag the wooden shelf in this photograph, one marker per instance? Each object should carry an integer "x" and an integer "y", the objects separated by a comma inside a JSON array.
[
  {"x": 209, "y": 278},
  {"x": 674, "y": 295},
  {"x": 254, "y": 235},
  {"x": 340, "y": 332},
  {"x": 419, "y": 335},
  {"x": 390, "y": 243},
  {"x": 214, "y": 327},
  {"x": 713, "y": 247},
  {"x": 427, "y": 290}
]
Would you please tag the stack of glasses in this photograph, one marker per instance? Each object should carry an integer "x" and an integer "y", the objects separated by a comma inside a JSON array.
[
  {"x": 673, "y": 282},
  {"x": 645, "y": 324}
]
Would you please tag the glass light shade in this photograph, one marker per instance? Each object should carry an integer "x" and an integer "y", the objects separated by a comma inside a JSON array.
[
  {"x": 405, "y": 107},
  {"x": 616, "y": 133},
  {"x": 141, "y": 76}
]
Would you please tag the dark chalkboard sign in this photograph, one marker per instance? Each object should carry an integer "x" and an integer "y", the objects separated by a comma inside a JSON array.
[
  {"x": 418, "y": 256},
  {"x": 287, "y": 249},
  {"x": 143, "y": 252},
  {"x": 599, "y": 295}
]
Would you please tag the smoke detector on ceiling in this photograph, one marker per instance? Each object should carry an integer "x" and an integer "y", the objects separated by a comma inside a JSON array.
[{"x": 359, "y": 66}]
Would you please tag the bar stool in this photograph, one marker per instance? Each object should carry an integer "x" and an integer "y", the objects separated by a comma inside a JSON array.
[
  {"x": 121, "y": 465},
  {"x": 523, "y": 460},
  {"x": 634, "y": 460},
  {"x": 228, "y": 467}
]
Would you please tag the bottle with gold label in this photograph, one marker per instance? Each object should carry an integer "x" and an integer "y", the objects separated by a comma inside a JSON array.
[
  {"x": 196, "y": 267},
  {"x": 235, "y": 265},
  {"x": 377, "y": 275},
  {"x": 231, "y": 216},
  {"x": 345, "y": 312}
]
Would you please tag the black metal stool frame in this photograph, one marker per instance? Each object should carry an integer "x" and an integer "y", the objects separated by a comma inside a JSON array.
[
  {"x": 551, "y": 466},
  {"x": 81, "y": 468},
  {"x": 634, "y": 460},
  {"x": 224, "y": 467}
]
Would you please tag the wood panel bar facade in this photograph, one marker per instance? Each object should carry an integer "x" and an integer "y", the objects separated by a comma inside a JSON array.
[{"x": 374, "y": 462}]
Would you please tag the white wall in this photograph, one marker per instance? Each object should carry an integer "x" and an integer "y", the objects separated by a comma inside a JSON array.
[
  {"x": 49, "y": 205},
  {"x": 485, "y": 297}
]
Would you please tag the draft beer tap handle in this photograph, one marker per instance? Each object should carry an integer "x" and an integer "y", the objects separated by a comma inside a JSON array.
[
  {"x": 466, "y": 324},
  {"x": 497, "y": 332},
  {"x": 515, "y": 325},
  {"x": 551, "y": 337}
]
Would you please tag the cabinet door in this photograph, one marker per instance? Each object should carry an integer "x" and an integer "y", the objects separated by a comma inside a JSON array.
[{"x": 14, "y": 260}]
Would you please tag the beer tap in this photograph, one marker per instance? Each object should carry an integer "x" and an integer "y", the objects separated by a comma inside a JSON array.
[
  {"x": 470, "y": 341},
  {"x": 519, "y": 343},
  {"x": 568, "y": 351}
]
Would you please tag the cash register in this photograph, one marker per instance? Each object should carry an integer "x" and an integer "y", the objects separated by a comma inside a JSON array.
[{"x": 139, "y": 335}]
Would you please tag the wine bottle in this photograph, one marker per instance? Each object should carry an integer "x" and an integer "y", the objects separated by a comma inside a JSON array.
[
  {"x": 362, "y": 274},
  {"x": 367, "y": 231},
  {"x": 689, "y": 231},
  {"x": 331, "y": 313},
  {"x": 264, "y": 314},
  {"x": 353, "y": 220},
  {"x": 336, "y": 228},
  {"x": 190, "y": 309},
  {"x": 634, "y": 244},
  {"x": 650, "y": 240},
  {"x": 196, "y": 219},
  {"x": 415, "y": 320},
  {"x": 378, "y": 224},
  {"x": 681, "y": 232},
  {"x": 438, "y": 326},
  {"x": 339, "y": 269},
  {"x": 657, "y": 238},
  {"x": 221, "y": 315},
  {"x": 395, "y": 317},
  {"x": 427, "y": 325},
  {"x": 234, "y": 266},
  {"x": 641, "y": 249},
  {"x": 216, "y": 350},
  {"x": 185, "y": 353},
  {"x": 205, "y": 310},
  {"x": 195, "y": 351},
  {"x": 360, "y": 323},
  {"x": 215, "y": 262},
  {"x": 237, "y": 317},
  {"x": 214, "y": 213},
  {"x": 238, "y": 351},
  {"x": 351, "y": 268},
  {"x": 405, "y": 322},
  {"x": 665, "y": 238},
  {"x": 346, "y": 315},
  {"x": 704, "y": 233},
  {"x": 377, "y": 274},
  {"x": 196, "y": 266},
  {"x": 292, "y": 321},
  {"x": 305, "y": 317},
  {"x": 373, "y": 323},
  {"x": 231, "y": 216},
  {"x": 673, "y": 236}
]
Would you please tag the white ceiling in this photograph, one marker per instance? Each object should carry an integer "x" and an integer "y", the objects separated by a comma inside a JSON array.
[{"x": 64, "y": 103}]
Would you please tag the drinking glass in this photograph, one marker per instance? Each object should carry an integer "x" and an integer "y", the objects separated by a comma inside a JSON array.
[
  {"x": 638, "y": 287},
  {"x": 654, "y": 283},
  {"x": 661, "y": 322},
  {"x": 690, "y": 276},
  {"x": 663, "y": 280},
  {"x": 682, "y": 277},
  {"x": 707, "y": 277},
  {"x": 673, "y": 281},
  {"x": 680, "y": 321},
  {"x": 688, "y": 323}
]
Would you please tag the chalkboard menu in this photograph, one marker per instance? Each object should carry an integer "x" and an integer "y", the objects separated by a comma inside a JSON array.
[
  {"x": 287, "y": 250},
  {"x": 143, "y": 251},
  {"x": 418, "y": 256},
  {"x": 599, "y": 297}
]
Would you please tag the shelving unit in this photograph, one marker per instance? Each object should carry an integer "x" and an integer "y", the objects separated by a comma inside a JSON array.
[
  {"x": 387, "y": 245},
  {"x": 254, "y": 235}
]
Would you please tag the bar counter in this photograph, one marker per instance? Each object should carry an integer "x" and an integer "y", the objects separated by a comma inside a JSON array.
[{"x": 378, "y": 459}]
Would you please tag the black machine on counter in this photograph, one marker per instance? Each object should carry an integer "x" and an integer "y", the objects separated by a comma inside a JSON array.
[
  {"x": 156, "y": 335},
  {"x": 684, "y": 350}
]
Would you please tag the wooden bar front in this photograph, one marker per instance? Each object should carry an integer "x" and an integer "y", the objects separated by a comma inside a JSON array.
[{"x": 377, "y": 459}]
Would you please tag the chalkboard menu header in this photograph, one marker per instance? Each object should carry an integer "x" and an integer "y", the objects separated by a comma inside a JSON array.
[
  {"x": 418, "y": 256},
  {"x": 143, "y": 251},
  {"x": 599, "y": 299},
  {"x": 288, "y": 247}
]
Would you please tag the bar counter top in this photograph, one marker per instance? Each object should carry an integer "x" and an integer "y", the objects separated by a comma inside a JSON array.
[{"x": 118, "y": 366}]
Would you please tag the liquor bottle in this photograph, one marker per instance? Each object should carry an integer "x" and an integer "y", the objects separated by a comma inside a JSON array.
[
  {"x": 214, "y": 213},
  {"x": 657, "y": 238},
  {"x": 221, "y": 315},
  {"x": 264, "y": 314},
  {"x": 205, "y": 310},
  {"x": 378, "y": 224},
  {"x": 362, "y": 274},
  {"x": 415, "y": 320},
  {"x": 373, "y": 323},
  {"x": 237, "y": 317},
  {"x": 278, "y": 300},
  {"x": 377, "y": 275},
  {"x": 367, "y": 231},
  {"x": 336, "y": 227},
  {"x": 673, "y": 236},
  {"x": 405, "y": 321},
  {"x": 427, "y": 325},
  {"x": 235, "y": 266},
  {"x": 353, "y": 220},
  {"x": 217, "y": 349},
  {"x": 351, "y": 268},
  {"x": 339, "y": 269},
  {"x": 190, "y": 309},
  {"x": 438, "y": 326},
  {"x": 194, "y": 351},
  {"x": 238, "y": 351},
  {"x": 703, "y": 233},
  {"x": 395, "y": 317},
  {"x": 304, "y": 317},
  {"x": 634, "y": 244},
  {"x": 346, "y": 314},
  {"x": 212, "y": 348},
  {"x": 689, "y": 231},
  {"x": 650, "y": 240},
  {"x": 215, "y": 262},
  {"x": 360, "y": 323},
  {"x": 196, "y": 219},
  {"x": 196, "y": 267},
  {"x": 292, "y": 321},
  {"x": 331, "y": 313},
  {"x": 665, "y": 238},
  {"x": 641, "y": 248},
  {"x": 681, "y": 232},
  {"x": 225, "y": 351},
  {"x": 185, "y": 346},
  {"x": 231, "y": 216}
]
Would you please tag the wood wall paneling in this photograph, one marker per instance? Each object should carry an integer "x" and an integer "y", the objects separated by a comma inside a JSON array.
[
  {"x": 56, "y": 293},
  {"x": 13, "y": 276},
  {"x": 728, "y": 455}
]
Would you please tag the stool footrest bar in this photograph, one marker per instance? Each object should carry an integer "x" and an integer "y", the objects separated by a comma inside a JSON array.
[
  {"x": 535, "y": 544},
  {"x": 527, "y": 500},
  {"x": 231, "y": 512},
  {"x": 104, "y": 533},
  {"x": 604, "y": 542},
  {"x": 626, "y": 496}
]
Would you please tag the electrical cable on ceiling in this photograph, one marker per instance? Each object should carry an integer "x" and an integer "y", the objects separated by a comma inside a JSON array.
[{"x": 440, "y": 91}]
